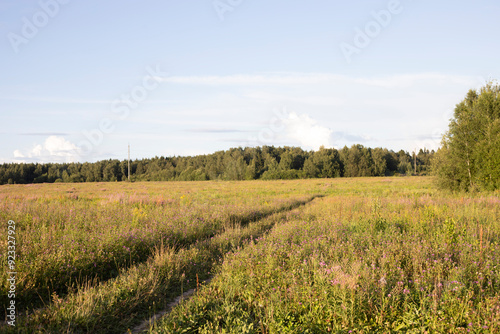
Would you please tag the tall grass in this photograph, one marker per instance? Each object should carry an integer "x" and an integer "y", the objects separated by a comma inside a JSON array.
[
  {"x": 142, "y": 290},
  {"x": 75, "y": 237},
  {"x": 364, "y": 255},
  {"x": 412, "y": 260}
]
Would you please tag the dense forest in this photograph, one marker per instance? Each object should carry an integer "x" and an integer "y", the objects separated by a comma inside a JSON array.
[{"x": 267, "y": 162}]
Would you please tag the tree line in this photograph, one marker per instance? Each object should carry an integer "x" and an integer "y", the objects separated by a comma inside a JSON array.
[{"x": 250, "y": 163}]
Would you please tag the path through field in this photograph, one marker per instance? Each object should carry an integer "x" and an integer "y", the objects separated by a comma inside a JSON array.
[
  {"x": 148, "y": 322},
  {"x": 336, "y": 255},
  {"x": 124, "y": 251}
]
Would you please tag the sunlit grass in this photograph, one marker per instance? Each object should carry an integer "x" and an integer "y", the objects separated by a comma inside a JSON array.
[
  {"x": 409, "y": 260},
  {"x": 71, "y": 237},
  {"x": 333, "y": 255}
]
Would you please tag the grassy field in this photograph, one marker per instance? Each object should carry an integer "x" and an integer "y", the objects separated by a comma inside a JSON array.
[{"x": 307, "y": 256}]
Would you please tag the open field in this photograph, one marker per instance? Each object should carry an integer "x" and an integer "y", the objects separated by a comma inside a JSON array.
[{"x": 329, "y": 255}]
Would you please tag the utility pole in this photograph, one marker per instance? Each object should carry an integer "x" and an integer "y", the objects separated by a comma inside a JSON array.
[
  {"x": 128, "y": 162},
  {"x": 415, "y": 160}
]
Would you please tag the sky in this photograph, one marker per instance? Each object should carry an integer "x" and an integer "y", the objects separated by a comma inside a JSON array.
[{"x": 82, "y": 80}]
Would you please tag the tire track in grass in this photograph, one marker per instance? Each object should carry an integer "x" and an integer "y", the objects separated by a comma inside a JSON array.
[
  {"x": 147, "y": 324},
  {"x": 61, "y": 284},
  {"x": 121, "y": 303}
]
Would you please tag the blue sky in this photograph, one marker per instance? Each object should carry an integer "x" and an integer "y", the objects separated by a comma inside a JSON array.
[{"x": 79, "y": 80}]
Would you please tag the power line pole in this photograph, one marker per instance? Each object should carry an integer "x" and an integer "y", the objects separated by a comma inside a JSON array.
[
  {"x": 128, "y": 162},
  {"x": 415, "y": 160}
]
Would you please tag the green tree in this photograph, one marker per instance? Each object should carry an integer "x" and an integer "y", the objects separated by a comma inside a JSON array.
[
  {"x": 357, "y": 161},
  {"x": 310, "y": 168},
  {"x": 324, "y": 163},
  {"x": 379, "y": 161}
]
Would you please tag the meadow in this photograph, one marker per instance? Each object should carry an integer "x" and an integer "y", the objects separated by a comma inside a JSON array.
[{"x": 350, "y": 255}]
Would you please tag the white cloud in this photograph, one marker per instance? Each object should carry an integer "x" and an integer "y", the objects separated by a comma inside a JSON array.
[
  {"x": 311, "y": 100},
  {"x": 307, "y": 132},
  {"x": 53, "y": 149},
  {"x": 248, "y": 79},
  {"x": 54, "y": 99},
  {"x": 398, "y": 111},
  {"x": 392, "y": 81},
  {"x": 408, "y": 80},
  {"x": 18, "y": 154}
]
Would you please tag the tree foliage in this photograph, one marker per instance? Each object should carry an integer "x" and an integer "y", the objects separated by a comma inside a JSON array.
[
  {"x": 267, "y": 162},
  {"x": 469, "y": 158}
]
